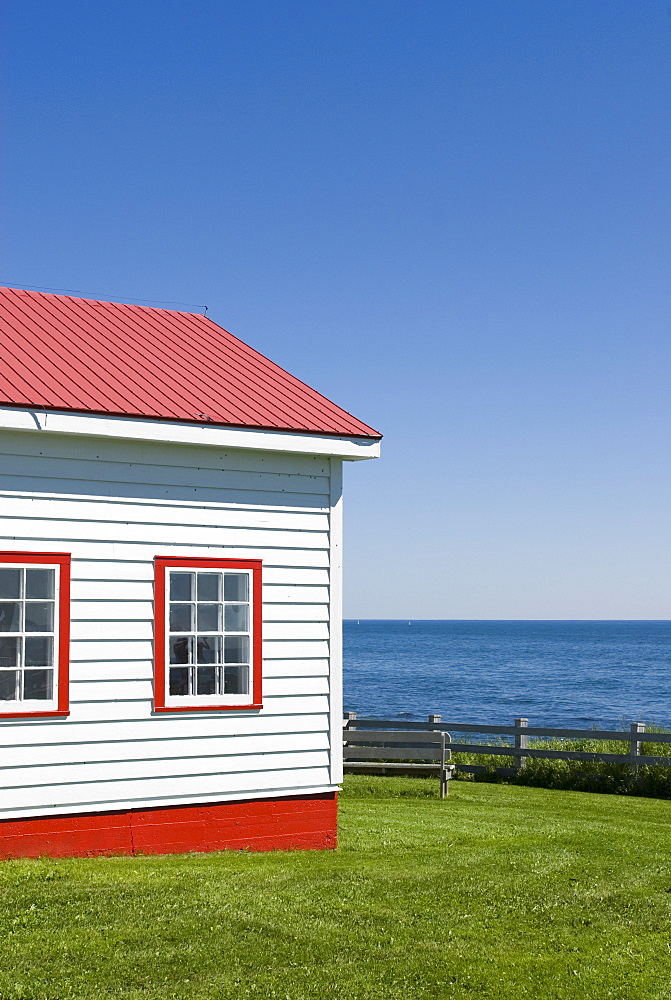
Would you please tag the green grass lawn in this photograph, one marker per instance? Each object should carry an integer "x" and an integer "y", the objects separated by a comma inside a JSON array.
[{"x": 498, "y": 892}]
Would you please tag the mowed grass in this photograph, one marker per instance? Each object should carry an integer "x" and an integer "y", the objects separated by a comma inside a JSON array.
[{"x": 498, "y": 892}]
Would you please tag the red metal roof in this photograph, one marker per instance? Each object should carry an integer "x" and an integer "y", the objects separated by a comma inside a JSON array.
[{"x": 64, "y": 353}]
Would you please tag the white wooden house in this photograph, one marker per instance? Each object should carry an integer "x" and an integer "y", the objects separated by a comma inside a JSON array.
[{"x": 170, "y": 579}]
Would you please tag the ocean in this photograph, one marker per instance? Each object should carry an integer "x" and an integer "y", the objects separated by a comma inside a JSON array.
[{"x": 579, "y": 674}]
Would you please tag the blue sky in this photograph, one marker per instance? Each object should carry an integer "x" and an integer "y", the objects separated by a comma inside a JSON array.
[{"x": 450, "y": 217}]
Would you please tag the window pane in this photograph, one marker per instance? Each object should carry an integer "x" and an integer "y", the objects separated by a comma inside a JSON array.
[
  {"x": 181, "y": 617},
  {"x": 179, "y": 680},
  {"x": 236, "y": 680},
  {"x": 9, "y": 652},
  {"x": 209, "y": 586},
  {"x": 236, "y": 587},
  {"x": 8, "y": 685},
  {"x": 37, "y": 684},
  {"x": 209, "y": 617},
  {"x": 10, "y": 583},
  {"x": 40, "y": 583},
  {"x": 236, "y": 649},
  {"x": 181, "y": 586},
  {"x": 10, "y": 616},
  {"x": 39, "y": 617},
  {"x": 209, "y": 649},
  {"x": 236, "y": 618},
  {"x": 39, "y": 651},
  {"x": 181, "y": 649},
  {"x": 206, "y": 680}
]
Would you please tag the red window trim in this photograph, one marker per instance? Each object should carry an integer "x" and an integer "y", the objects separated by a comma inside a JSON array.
[
  {"x": 62, "y": 559},
  {"x": 161, "y": 563}
]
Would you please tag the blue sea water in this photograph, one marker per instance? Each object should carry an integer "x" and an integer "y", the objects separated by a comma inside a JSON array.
[{"x": 576, "y": 674}]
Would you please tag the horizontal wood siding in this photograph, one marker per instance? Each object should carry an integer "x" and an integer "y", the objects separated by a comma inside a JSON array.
[{"x": 115, "y": 506}]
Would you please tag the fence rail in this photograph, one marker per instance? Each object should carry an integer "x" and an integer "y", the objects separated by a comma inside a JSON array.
[{"x": 520, "y": 750}]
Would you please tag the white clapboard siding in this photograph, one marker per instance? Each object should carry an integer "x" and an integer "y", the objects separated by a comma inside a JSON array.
[
  {"x": 184, "y": 534},
  {"x": 292, "y": 631},
  {"x": 93, "y": 591},
  {"x": 296, "y": 668},
  {"x": 114, "y": 570},
  {"x": 129, "y": 610},
  {"x": 119, "y": 611},
  {"x": 193, "y": 747},
  {"x": 78, "y": 773},
  {"x": 155, "y": 475},
  {"x": 110, "y": 671},
  {"x": 295, "y": 594},
  {"x": 120, "y": 493},
  {"x": 124, "y": 570},
  {"x": 153, "y": 791},
  {"x": 143, "y": 590},
  {"x": 115, "y": 651},
  {"x": 122, "y": 710},
  {"x": 180, "y": 727},
  {"x": 88, "y": 651},
  {"x": 115, "y": 506},
  {"x": 107, "y": 671},
  {"x": 113, "y": 690},
  {"x": 108, "y": 676},
  {"x": 99, "y": 512},
  {"x": 139, "y": 552},
  {"x": 285, "y": 574},
  {"x": 137, "y": 688},
  {"x": 148, "y": 454},
  {"x": 295, "y": 613},
  {"x": 290, "y": 648},
  {"x": 197, "y": 799},
  {"x": 126, "y": 631},
  {"x": 270, "y": 556},
  {"x": 88, "y": 772}
]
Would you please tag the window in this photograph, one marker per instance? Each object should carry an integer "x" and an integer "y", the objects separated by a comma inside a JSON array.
[
  {"x": 207, "y": 634},
  {"x": 34, "y": 633}
]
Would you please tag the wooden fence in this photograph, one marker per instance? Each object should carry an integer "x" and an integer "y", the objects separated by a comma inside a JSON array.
[{"x": 519, "y": 748}]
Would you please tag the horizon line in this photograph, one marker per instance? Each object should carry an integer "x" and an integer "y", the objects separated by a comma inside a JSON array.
[{"x": 360, "y": 618}]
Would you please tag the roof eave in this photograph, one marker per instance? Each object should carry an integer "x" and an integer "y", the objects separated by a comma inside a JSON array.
[{"x": 347, "y": 447}]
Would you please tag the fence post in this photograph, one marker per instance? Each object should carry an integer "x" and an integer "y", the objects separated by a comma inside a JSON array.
[
  {"x": 521, "y": 743},
  {"x": 635, "y": 746},
  {"x": 434, "y": 720}
]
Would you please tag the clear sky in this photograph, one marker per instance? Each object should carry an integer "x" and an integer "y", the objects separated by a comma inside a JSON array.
[{"x": 450, "y": 217}]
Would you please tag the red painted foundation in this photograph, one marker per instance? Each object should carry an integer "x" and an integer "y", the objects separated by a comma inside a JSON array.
[{"x": 292, "y": 823}]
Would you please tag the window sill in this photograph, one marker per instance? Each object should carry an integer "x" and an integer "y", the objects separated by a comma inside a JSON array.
[
  {"x": 36, "y": 714},
  {"x": 208, "y": 708}
]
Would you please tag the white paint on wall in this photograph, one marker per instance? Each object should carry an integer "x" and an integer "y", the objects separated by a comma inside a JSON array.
[{"x": 115, "y": 505}]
